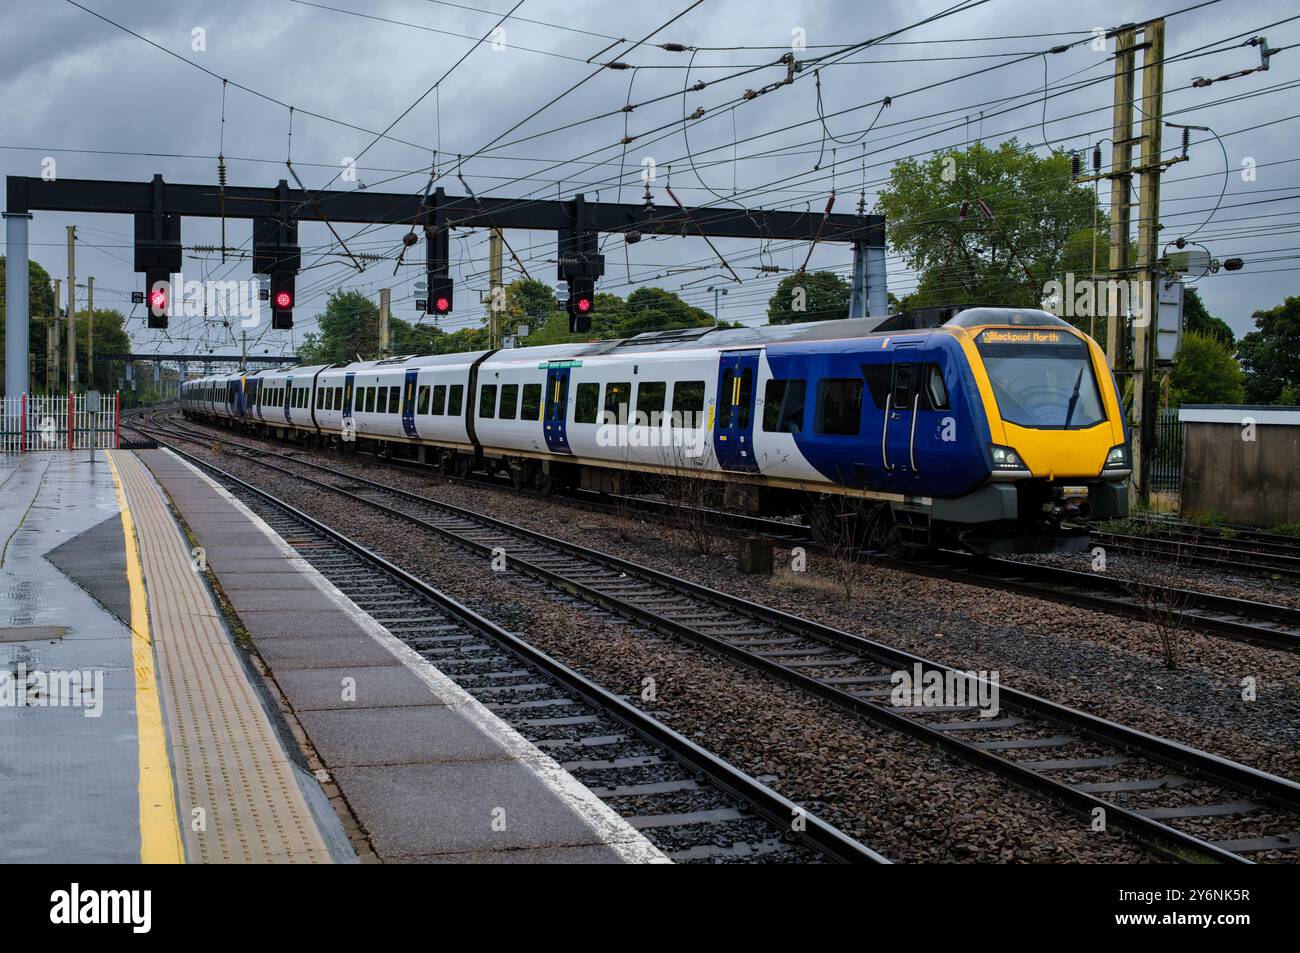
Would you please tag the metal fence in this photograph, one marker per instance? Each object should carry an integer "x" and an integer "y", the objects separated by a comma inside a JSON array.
[
  {"x": 1167, "y": 460},
  {"x": 60, "y": 422}
]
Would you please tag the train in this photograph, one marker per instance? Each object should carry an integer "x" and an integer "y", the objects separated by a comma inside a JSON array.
[{"x": 991, "y": 429}]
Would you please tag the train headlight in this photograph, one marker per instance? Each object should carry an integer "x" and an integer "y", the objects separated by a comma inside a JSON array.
[
  {"x": 1117, "y": 459},
  {"x": 1006, "y": 458}
]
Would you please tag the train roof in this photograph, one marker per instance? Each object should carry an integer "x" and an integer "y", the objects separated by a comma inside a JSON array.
[{"x": 682, "y": 339}]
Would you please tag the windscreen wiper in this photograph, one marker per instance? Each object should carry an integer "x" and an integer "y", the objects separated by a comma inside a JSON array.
[{"x": 1074, "y": 398}]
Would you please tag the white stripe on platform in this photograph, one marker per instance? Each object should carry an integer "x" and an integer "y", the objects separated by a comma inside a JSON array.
[{"x": 611, "y": 829}]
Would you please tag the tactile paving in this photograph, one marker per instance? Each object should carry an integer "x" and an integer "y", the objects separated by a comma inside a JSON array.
[{"x": 228, "y": 761}]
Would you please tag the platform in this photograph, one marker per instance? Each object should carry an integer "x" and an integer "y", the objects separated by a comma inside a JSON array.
[{"x": 201, "y": 750}]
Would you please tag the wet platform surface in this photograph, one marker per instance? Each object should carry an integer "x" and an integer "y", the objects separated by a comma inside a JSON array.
[
  {"x": 130, "y": 730},
  {"x": 134, "y": 727},
  {"x": 68, "y": 771},
  {"x": 426, "y": 769}
]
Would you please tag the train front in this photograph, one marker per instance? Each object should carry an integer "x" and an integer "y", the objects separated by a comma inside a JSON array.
[{"x": 1055, "y": 420}]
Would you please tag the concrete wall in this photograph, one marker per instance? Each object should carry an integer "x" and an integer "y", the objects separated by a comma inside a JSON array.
[{"x": 1252, "y": 482}]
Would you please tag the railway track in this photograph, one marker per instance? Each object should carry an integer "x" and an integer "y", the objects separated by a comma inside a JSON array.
[
  {"x": 688, "y": 802},
  {"x": 1233, "y": 533},
  {"x": 1197, "y": 550},
  {"x": 1188, "y": 804},
  {"x": 1256, "y": 623}
]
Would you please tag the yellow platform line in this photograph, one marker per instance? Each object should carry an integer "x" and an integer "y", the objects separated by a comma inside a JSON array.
[{"x": 160, "y": 835}]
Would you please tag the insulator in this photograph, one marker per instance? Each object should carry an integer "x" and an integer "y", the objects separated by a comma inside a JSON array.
[
  {"x": 1096, "y": 158},
  {"x": 221, "y": 171}
]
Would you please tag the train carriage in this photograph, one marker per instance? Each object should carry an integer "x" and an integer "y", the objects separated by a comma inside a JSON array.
[{"x": 989, "y": 429}]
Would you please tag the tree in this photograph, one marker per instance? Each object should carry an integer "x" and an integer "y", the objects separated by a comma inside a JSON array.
[
  {"x": 348, "y": 328},
  {"x": 988, "y": 225},
  {"x": 1268, "y": 355},
  {"x": 40, "y": 302},
  {"x": 810, "y": 296},
  {"x": 1197, "y": 318},
  {"x": 654, "y": 309},
  {"x": 646, "y": 309},
  {"x": 110, "y": 337},
  {"x": 530, "y": 302},
  {"x": 1206, "y": 372}
]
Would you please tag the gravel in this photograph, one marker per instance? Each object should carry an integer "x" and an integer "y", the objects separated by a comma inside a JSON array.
[
  {"x": 892, "y": 792},
  {"x": 1252, "y": 585}
]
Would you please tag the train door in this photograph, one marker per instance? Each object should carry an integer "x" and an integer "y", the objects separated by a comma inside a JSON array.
[
  {"x": 233, "y": 386},
  {"x": 733, "y": 428},
  {"x": 288, "y": 398},
  {"x": 898, "y": 441},
  {"x": 557, "y": 408},
  {"x": 408, "y": 403},
  {"x": 254, "y": 393},
  {"x": 348, "y": 427}
]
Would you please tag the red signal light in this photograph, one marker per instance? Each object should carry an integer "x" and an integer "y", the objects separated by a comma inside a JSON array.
[
  {"x": 584, "y": 305},
  {"x": 158, "y": 299},
  {"x": 442, "y": 305},
  {"x": 284, "y": 300}
]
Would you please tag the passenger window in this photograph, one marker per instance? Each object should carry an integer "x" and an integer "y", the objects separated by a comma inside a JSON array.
[
  {"x": 880, "y": 377},
  {"x": 936, "y": 392},
  {"x": 725, "y": 390},
  {"x": 487, "y": 401},
  {"x": 746, "y": 398},
  {"x": 422, "y": 402},
  {"x": 509, "y": 401},
  {"x": 439, "y": 400},
  {"x": 783, "y": 406},
  {"x": 904, "y": 385},
  {"x": 584, "y": 407},
  {"x": 394, "y": 400},
  {"x": 381, "y": 402},
  {"x": 839, "y": 406},
  {"x": 455, "y": 399},
  {"x": 532, "y": 405},
  {"x": 688, "y": 404},
  {"x": 617, "y": 398},
  {"x": 370, "y": 400},
  {"x": 650, "y": 397}
]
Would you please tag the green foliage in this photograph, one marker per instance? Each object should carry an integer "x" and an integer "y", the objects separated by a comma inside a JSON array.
[
  {"x": 1269, "y": 355},
  {"x": 653, "y": 309},
  {"x": 1041, "y": 224},
  {"x": 349, "y": 328},
  {"x": 1197, "y": 319},
  {"x": 110, "y": 337},
  {"x": 40, "y": 302},
  {"x": 350, "y": 324},
  {"x": 646, "y": 309},
  {"x": 812, "y": 296},
  {"x": 1206, "y": 372}
]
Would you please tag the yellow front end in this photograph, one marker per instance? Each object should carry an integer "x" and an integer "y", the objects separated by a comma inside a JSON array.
[{"x": 1049, "y": 453}]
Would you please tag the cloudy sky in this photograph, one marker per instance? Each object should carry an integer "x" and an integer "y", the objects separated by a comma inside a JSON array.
[{"x": 102, "y": 103}]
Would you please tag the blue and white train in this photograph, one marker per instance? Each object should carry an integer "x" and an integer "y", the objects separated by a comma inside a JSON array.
[{"x": 992, "y": 426}]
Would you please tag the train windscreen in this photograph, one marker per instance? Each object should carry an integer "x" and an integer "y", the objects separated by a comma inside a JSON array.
[{"x": 1042, "y": 378}]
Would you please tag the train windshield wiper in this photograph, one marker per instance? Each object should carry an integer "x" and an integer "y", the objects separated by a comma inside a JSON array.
[{"x": 1074, "y": 398}]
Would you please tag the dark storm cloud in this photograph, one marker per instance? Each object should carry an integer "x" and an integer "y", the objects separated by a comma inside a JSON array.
[{"x": 70, "y": 81}]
